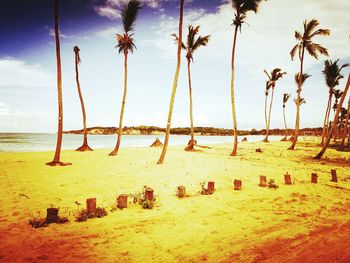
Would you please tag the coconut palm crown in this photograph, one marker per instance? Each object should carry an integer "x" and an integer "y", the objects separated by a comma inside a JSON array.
[
  {"x": 129, "y": 14},
  {"x": 193, "y": 42},
  {"x": 242, "y": 7},
  {"x": 275, "y": 75},
  {"x": 303, "y": 79},
  {"x": 332, "y": 74},
  {"x": 305, "y": 40},
  {"x": 285, "y": 99}
]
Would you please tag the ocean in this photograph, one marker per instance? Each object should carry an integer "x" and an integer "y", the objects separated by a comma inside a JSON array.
[{"x": 37, "y": 142}]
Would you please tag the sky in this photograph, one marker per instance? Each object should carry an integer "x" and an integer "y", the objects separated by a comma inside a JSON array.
[{"x": 28, "y": 92}]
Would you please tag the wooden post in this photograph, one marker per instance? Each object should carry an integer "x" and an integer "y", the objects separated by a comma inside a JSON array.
[
  {"x": 122, "y": 201},
  {"x": 51, "y": 215},
  {"x": 262, "y": 181},
  {"x": 258, "y": 150},
  {"x": 181, "y": 191},
  {"x": 314, "y": 177},
  {"x": 237, "y": 184},
  {"x": 149, "y": 194},
  {"x": 334, "y": 176},
  {"x": 91, "y": 205},
  {"x": 287, "y": 179},
  {"x": 211, "y": 187}
]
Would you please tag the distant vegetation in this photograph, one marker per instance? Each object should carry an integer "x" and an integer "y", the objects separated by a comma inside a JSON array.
[{"x": 209, "y": 131}]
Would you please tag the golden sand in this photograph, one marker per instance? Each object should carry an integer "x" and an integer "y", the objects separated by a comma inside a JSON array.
[{"x": 300, "y": 222}]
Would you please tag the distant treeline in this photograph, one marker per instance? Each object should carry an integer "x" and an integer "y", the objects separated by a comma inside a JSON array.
[{"x": 210, "y": 131}]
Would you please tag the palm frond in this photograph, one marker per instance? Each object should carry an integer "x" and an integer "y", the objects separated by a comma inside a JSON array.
[
  {"x": 183, "y": 46},
  {"x": 201, "y": 41},
  {"x": 304, "y": 78},
  {"x": 298, "y": 36},
  {"x": 321, "y": 32},
  {"x": 286, "y": 97},
  {"x": 294, "y": 50},
  {"x": 309, "y": 27},
  {"x": 76, "y": 51},
  {"x": 129, "y": 14}
]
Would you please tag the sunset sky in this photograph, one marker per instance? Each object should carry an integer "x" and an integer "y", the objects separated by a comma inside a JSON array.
[{"x": 28, "y": 93}]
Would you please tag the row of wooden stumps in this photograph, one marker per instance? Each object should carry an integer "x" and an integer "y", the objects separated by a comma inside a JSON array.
[{"x": 288, "y": 178}]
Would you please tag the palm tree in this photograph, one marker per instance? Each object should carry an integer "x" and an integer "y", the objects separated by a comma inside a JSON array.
[
  {"x": 335, "y": 121},
  {"x": 346, "y": 127},
  {"x": 286, "y": 97},
  {"x": 314, "y": 49},
  {"x": 241, "y": 8},
  {"x": 275, "y": 75},
  {"x": 191, "y": 46},
  {"x": 332, "y": 76},
  {"x": 56, "y": 160},
  {"x": 125, "y": 43},
  {"x": 85, "y": 146},
  {"x": 173, "y": 93},
  {"x": 267, "y": 90},
  {"x": 337, "y": 95}
]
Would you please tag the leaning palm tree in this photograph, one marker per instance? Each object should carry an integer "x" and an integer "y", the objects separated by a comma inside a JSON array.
[
  {"x": 332, "y": 76},
  {"x": 56, "y": 160},
  {"x": 173, "y": 92},
  {"x": 314, "y": 49},
  {"x": 275, "y": 75},
  {"x": 125, "y": 43},
  {"x": 346, "y": 127},
  {"x": 85, "y": 146},
  {"x": 335, "y": 121},
  {"x": 241, "y": 8},
  {"x": 286, "y": 97},
  {"x": 337, "y": 95},
  {"x": 192, "y": 44}
]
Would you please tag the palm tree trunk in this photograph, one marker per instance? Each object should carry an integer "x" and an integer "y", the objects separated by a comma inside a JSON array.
[
  {"x": 56, "y": 160},
  {"x": 326, "y": 118},
  {"x": 346, "y": 128},
  {"x": 234, "y": 119},
  {"x": 335, "y": 121},
  {"x": 266, "y": 110},
  {"x": 269, "y": 117},
  {"x": 297, "y": 121},
  {"x": 285, "y": 122},
  {"x": 173, "y": 93},
  {"x": 85, "y": 146},
  {"x": 116, "y": 149},
  {"x": 190, "y": 146}
]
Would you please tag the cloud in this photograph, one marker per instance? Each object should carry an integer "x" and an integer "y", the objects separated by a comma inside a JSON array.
[
  {"x": 17, "y": 73},
  {"x": 110, "y": 8},
  {"x": 268, "y": 36},
  {"x": 52, "y": 33},
  {"x": 108, "y": 32}
]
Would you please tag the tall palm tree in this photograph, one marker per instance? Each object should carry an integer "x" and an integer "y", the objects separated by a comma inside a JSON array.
[
  {"x": 275, "y": 75},
  {"x": 241, "y": 8},
  {"x": 332, "y": 76},
  {"x": 286, "y": 97},
  {"x": 267, "y": 90},
  {"x": 125, "y": 43},
  {"x": 56, "y": 160},
  {"x": 173, "y": 92},
  {"x": 335, "y": 121},
  {"x": 192, "y": 44},
  {"x": 314, "y": 49},
  {"x": 85, "y": 146}
]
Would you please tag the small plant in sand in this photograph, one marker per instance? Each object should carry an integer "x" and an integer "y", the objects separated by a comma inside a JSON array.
[
  {"x": 145, "y": 198},
  {"x": 51, "y": 217},
  {"x": 272, "y": 184},
  {"x": 84, "y": 215}
]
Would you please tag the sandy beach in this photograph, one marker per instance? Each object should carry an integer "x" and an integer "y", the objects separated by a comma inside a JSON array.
[{"x": 299, "y": 222}]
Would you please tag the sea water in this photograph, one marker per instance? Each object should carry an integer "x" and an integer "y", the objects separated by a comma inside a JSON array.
[{"x": 36, "y": 142}]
